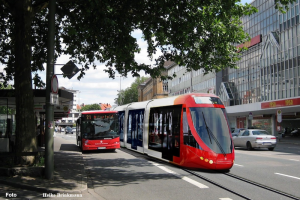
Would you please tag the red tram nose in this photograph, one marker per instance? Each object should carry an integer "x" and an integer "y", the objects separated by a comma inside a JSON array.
[{"x": 224, "y": 162}]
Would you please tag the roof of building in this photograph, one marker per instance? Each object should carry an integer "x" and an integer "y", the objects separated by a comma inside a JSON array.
[
  {"x": 169, "y": 64},
  {"x": 104, "y": 106}
]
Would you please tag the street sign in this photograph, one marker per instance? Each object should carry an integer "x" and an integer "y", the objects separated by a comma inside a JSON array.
[
  {"x": 70, "y": 69},
  {"x": 279, "y": 116},
  {"x": 54, "y": 84},
  {"x": 250, "y": 116},
  {"x": 54, "y": 99}
]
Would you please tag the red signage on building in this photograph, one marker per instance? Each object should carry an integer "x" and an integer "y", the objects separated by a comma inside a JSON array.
[
  {"x": 280, "y": 103},
  {"x": 252, "y": 42}
]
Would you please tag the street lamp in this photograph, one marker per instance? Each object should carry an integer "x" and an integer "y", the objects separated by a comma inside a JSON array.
[{"x": 119, "y": 99}]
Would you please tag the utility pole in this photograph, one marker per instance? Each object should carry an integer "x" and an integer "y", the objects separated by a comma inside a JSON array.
[
  {"x": 49, "y": 127},
  {"x": 119, "y": 99}
]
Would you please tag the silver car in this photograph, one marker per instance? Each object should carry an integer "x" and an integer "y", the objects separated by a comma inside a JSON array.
[{"x": 255, "y": 138}]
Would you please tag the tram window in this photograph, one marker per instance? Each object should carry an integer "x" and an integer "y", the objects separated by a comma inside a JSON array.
[{"x": 188, "y": 137}]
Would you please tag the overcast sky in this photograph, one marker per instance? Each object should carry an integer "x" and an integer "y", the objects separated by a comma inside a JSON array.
[{"x": 96, "y": 86}]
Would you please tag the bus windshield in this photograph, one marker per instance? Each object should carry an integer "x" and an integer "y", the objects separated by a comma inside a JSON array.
[
  {"x": 211, "y": 125},
  {"x": 100, "y": 126}
]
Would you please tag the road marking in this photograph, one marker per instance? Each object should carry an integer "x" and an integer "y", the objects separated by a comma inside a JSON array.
[
  {"x": 288, "y": 176},
  {"x": 187, "y": 179},
  {"x": 239, "y": 165},
  {"x": 294, "y": 159},
  {"x": 225, "y": 199}
]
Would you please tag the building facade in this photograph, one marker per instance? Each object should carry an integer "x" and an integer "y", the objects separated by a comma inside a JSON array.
[
  {"x": 187, "y": 82},
  {"x": 267, "y": 79},
  {"x": 154, "y": 88}
]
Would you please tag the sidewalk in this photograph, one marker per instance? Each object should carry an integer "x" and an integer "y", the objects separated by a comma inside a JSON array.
[
  {"x": 69, "y": 175},
  {"x": 289, "y": 140}
]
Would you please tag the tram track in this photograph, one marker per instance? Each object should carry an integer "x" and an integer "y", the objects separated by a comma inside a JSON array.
[
  {"x": 243, "y": 180},
  {"x": 196, "y": 174}
]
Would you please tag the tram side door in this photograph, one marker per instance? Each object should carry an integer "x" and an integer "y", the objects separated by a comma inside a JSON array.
[
  {"x": 171, "y": 131},
  {"x": 135, "y": 128}
]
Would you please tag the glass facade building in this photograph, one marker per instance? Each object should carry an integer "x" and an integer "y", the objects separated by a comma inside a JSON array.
[
  {"x": 270, "y": 68},
  {"x": 267, "y": 78}
]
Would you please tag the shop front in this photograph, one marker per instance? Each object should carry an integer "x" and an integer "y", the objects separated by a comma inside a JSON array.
[{"x": 272, "y": 116}]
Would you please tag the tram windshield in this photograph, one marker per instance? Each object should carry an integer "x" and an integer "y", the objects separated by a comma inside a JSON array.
[
  {"x": 211, "y": 125},
  {"x": 100, "y": 126}
]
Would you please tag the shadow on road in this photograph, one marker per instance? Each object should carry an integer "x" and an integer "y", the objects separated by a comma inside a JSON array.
[{"x": 69, "y": 147}]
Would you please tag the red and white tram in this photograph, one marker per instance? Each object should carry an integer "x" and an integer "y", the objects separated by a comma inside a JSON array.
[{"x": 190, "y": 130}]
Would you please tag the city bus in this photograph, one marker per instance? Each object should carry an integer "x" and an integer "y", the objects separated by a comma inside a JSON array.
[{"x": 98, "y": 129}]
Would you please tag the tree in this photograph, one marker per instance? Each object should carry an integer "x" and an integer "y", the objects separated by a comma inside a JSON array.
[
  {"x": 130, "y": 94},
  {"x": 195, "y": 34},
  {"x": 91, "y": 107}
]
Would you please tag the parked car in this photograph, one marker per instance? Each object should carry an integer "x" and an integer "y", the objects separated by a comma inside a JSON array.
[
  {"x": 237, "y": 131},
  {"x": 295, "y": 132},
  {"x": 74, "y": 130},
  {"x": 68, "y": 129},
  {"x": 255, "y": 138}
]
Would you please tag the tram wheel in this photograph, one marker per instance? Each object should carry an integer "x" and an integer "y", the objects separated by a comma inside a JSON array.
[{"x": 249, "y": 146}]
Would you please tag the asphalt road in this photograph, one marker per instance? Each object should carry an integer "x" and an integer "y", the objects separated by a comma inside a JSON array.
[{"x": 122, "y": 175}]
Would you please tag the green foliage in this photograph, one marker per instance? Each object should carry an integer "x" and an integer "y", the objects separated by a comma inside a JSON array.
[
  {"x": 5, "y": 110},
  {"x": 91, "y": 107},
  {"x": 40, "y": 161},
  {"x": 282, "y": 5},
  {"x": 6, "y": 87},
  {"x": 130, "y": 94}
]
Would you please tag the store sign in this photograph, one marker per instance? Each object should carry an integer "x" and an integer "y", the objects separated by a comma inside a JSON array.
[
  {"x": 279, "y": 116},
  {"x": 252, "y": 42},
  {"x": 280, "y": 103}
]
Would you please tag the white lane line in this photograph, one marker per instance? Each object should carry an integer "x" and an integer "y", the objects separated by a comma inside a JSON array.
[
  {"x": 294, "y": 160},
  {"x": 200, "y": 185},
  {"x": 225, "y": 199},
  {"x": 239, "y": 165},
  {"x": 288, "y": 176}
]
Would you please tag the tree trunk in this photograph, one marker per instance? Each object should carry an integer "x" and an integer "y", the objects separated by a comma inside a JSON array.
[{"x": 25, "y": 126}]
